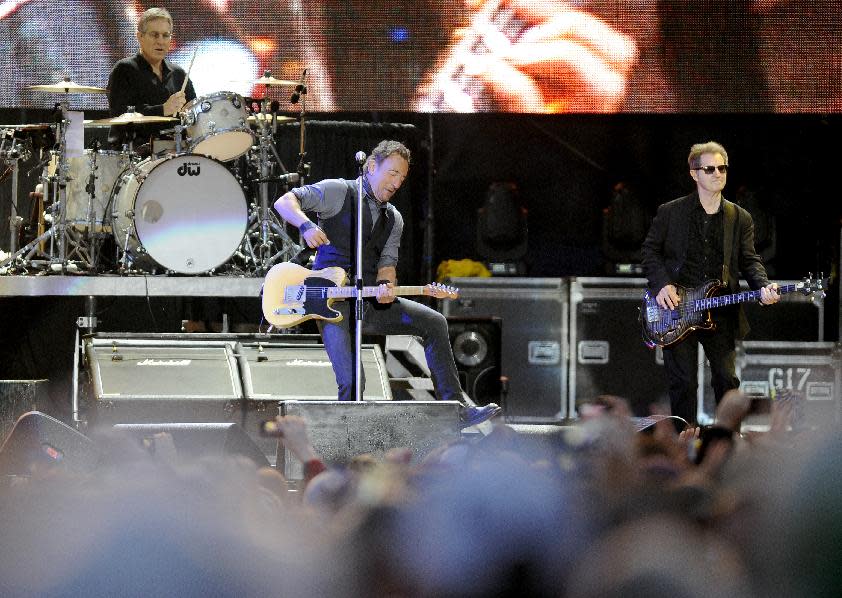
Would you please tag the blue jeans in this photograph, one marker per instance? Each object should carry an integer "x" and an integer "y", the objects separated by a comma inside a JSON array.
[{"x": 401, "y": 317}]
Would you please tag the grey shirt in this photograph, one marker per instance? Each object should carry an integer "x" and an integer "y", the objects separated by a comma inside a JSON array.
[{"x": 326, "y": 199}]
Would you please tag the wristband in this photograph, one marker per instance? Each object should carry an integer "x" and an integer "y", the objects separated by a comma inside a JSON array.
[{"x": 305, "y": 226}]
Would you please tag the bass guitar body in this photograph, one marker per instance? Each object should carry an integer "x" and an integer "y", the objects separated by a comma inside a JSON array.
[{"x": 665, "y": 327}]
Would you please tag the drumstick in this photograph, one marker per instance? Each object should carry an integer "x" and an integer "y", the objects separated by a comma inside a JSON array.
[{"x": 189, "y": 68}]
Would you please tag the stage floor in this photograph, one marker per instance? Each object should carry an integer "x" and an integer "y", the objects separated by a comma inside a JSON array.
[{"x": 130, "y": 286}]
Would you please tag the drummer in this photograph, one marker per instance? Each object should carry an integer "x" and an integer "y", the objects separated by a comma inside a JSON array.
[{"x": 147, "y": 80}]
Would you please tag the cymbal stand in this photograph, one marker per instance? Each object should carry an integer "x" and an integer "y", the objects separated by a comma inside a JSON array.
[
  {"x": 265, "y": 231},
  {"x": 90, "y": 187},
  {"x": 300, "y": 93},
  {"x": 61, "y": 194}
]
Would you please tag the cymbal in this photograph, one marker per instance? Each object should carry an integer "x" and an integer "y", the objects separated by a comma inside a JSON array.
[
  {"x": 67, "y": 86},
  {"x": 40, "y": 134},
  {"x": 259, "y": 117},
  {"x": 269, "y": 80},
  {"x": 28, "y": 127},
  {"x": 129, "y": 118}
]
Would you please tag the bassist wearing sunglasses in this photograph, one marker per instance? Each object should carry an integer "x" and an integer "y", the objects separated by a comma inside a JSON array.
[{"x": 693, "y": 240}]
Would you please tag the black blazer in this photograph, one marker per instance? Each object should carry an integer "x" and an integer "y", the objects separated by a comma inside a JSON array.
[{"x": 665, "y": 247}]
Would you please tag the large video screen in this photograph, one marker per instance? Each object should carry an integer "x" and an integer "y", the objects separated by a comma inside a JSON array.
[{"x": 530, "y": 56}]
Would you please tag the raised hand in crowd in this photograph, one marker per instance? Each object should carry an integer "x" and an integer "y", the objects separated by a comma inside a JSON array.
[{"x": 292, "y": 431}]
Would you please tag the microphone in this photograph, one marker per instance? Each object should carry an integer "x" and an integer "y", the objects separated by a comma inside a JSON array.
[
  {"x": 360, "y": 158},
  {"x": 290, "y": 177},
  {"x": 300, "y": 89}
]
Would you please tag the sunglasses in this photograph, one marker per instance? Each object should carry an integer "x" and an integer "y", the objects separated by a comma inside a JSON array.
[{"x": 723, "y": 168}]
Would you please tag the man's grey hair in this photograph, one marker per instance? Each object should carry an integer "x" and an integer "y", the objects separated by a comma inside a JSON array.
[
  {"x": 386, "y": 148},
  {"x": 694, "y": 160},
  {"x": 151, "y": 15}
]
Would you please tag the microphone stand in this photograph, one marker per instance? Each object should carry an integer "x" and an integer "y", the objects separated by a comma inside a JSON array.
[{"x": 358, "y": 283}]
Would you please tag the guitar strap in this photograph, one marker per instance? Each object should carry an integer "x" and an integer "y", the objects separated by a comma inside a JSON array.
[{"x": 730, "y": 233}]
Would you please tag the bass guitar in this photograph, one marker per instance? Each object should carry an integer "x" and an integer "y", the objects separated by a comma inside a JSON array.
[
  {"x": 293, "y": 294},
  {"x": 664, "y": 327}
]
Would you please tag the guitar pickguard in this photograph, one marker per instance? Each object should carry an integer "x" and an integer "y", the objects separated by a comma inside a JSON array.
[{"x": 316, "y": 302}]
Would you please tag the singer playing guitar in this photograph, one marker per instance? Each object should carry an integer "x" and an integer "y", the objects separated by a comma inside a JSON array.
[
  {"x": 694, "y": 239},
  {"x": 334, "y": 202}
]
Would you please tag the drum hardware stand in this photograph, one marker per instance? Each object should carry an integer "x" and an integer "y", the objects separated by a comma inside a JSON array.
[
  {"x": 13, "y": 155},
  {"x": 177, "y": 132},
  {"x": 93, "y": 237},
  {"x": 129, "y": 230},
  {"x": 300, "y": 92},
  {"x": 58, "y": 233},
  {"x": 264, "y": 226},
  {"x": 51, "y": 188},
  {"x": 29, "y": 249},
  {"x": 60, "y": 203}
]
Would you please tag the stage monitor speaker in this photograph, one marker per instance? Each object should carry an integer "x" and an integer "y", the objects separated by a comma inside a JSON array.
[
  {"x": 339, "y": 431},
  {"x": 278, "y": 371},
  {"x": 40, "y": 440},
  {"x": 476, "y": 351},
  {"x": 198, "y": 440}
]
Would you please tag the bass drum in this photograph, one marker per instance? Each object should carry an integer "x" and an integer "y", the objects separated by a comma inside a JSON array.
[{"x": 186, "y": 213}]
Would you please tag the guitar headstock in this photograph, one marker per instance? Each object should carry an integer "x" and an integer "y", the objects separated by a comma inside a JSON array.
[
  {"x": 813, "y": 286},
  {"x": 441, "y": 291}
]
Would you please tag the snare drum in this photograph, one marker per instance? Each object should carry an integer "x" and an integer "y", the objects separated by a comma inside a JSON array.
[
  {"x": 186, "y": 213},
  {"x": 216, "y": 126},
  {"x": 106, "y": 167}
]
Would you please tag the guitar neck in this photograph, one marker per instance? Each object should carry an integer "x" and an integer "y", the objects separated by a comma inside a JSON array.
[
  {"x": 351, "y": 292},
  {"x": 742, "y": 297}
]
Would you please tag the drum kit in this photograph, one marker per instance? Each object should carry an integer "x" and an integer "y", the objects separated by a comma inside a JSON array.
[{"x": 200, "y": 207}]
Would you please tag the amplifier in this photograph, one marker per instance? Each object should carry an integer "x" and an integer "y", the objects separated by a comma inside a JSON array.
[
  {"x": 532, "y": 315},
  {"x": 811, "y": 370},
  {"x": 278, "y": 371},
  {"x": 162, "y": 369}
]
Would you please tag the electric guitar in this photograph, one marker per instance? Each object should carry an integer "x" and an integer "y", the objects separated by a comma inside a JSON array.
[
  {"x": 665, "y": 327},
  {"x": 293, "y": 294}
]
